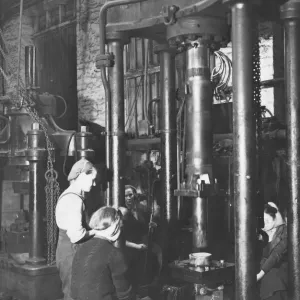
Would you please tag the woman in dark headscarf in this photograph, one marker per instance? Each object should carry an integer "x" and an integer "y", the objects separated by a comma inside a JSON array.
[{"x": 273, "y": 273}]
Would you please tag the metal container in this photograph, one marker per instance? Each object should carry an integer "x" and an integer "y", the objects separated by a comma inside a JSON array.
[{"x": 200, "y": 259}]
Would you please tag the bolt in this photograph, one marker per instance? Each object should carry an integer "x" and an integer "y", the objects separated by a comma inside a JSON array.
[{"x": 83, "y": 129}]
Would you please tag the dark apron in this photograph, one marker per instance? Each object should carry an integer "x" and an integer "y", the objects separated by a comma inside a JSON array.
[{"x": 65, "y": 252}]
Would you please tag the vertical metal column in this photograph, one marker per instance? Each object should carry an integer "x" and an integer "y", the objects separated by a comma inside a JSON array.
[
  {"x": 244, "y": 150},
  {"x": 290, "y": 13},
  {"x": 116, "y": 80},
  {"x": 168, "y": 130},
  {"x": 36, "y": 154},
  {"x": 199, "y": 135}
]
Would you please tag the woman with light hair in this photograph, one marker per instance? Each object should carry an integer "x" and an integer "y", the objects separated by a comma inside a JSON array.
[
  {"x": 273, "y": 273},
  {"x": 70, "y": 219},
  {"x": 99, "y": 269}
]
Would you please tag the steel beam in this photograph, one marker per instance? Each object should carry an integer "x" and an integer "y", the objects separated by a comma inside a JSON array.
[
  {"x": 244, "y": 150},
  {"x": 290, "y": 13}
]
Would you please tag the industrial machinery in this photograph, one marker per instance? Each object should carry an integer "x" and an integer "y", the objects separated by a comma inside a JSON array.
[
  {"x": 34, "y": 151},
  {"x": 195, "y": 31}
]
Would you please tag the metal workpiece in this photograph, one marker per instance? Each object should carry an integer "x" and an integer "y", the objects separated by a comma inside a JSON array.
[
  {"x": 116, "y": 81},
  {"x": 36, "y": 144},
  {"x": 292, "y": 89},
  {"x": 168, "y": 130},
  {"x": 244, "y": 150}
]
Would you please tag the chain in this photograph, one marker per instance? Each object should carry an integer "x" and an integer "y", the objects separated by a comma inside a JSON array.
[
  {"x": 24, "y": 99},
  {"x": 258, "y": 115}
]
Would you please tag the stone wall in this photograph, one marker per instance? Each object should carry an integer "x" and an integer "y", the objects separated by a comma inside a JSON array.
[{"x": 89, "y": 85}]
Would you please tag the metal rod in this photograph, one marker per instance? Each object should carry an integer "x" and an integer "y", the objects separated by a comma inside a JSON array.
[
  {"x": 116, "y": 81},
  {"x": 102, "y": 39},
  {"x": 36, "y": 189},
  {"x": 30, "y": 66},
  {"x": 244, "y": 150},
  {"x": 290, "y": 13},
  {"x": 199, "y": 136},
  {"x": 20, "y": 46},
  {"x": 168, "y": 132}
]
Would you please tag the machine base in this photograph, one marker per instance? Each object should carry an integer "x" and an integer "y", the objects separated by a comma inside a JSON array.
[{"x": 26, "y": 282}]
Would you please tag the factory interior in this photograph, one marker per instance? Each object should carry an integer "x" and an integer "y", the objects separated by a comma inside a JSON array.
[{"x": 191, "y": 105}]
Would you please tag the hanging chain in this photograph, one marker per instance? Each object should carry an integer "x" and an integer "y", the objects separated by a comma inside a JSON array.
[
  {"x": 258, "y": 118},
  {"x": 22, "y": 98}
]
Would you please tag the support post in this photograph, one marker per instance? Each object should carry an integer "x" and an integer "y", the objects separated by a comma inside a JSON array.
[
  {"x": 36, "y": 155},
  {"x": 168, "y": 129},
  {"x": 244, "y": 150},
  {"x": 116, "y": 80},
  {"x": 290, "y": 13}
]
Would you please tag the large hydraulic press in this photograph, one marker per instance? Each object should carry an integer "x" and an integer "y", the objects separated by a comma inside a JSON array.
[{"x": 34, "y": 152}]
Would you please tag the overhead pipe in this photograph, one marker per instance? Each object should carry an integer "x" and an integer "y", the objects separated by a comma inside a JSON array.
[
  {"x": 290, "y": 13},
  {"x": 244, "y": 147},
  {"x": 102, "y": 37}
]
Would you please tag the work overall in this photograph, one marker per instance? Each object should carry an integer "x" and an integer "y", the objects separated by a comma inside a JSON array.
[{"x": 65, "y": 252}]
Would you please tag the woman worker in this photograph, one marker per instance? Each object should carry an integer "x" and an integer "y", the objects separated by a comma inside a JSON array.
[
  {"x": 273, "y": 273},
  {"x": 99, "y": 269},
  {"x": 70, "y": 219}
]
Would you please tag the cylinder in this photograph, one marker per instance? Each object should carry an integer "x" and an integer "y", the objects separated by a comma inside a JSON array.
[
  {"x": 30, "y": 66},
  {"x": 154, "y": 115},
  {"x": 36, "y": 213},
  {"x": 36, "y": 154},
  {"x": 244, "y": 150},
  {"x": 198, "y": 135},
  {"x": 290, "y": 13},
  {"x": 168, "y": 132},
  {"x": 116, "y": 80}
]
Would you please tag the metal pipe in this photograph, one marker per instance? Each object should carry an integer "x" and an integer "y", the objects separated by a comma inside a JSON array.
[
  {"x": 244, "y": 150},
  {"x": 168, "y": 131},
  {"x": 116, "y": 80},
  {"x": 102, "y": 39},
  {"x": 36, "y": 190},
  {"x": 36, "y": 155},
  {"x": 30, "y": 66},
  {"x": 290, "y": 13},
  {"x": 199, "y": 134}
]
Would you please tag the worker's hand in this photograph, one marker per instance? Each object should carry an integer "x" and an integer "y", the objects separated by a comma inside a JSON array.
[
  {"x": 260, "y": 275},
  {"x": 141, "y": 246},
  {"x": 152, "y": 225}
]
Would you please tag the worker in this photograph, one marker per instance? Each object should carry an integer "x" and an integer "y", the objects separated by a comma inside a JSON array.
[
  {"x": 99, "y": 269},
  {"x": 138, "y": 223},
  {"x": 273, "y": 267},
  {"x": 70, "y": 219}
]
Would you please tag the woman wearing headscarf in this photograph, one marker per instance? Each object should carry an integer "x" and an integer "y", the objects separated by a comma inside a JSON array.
[
  {"x": 70, "y": 219},
  {"x": 273, "y": 266},
  {"x": 99, "y": 269}
]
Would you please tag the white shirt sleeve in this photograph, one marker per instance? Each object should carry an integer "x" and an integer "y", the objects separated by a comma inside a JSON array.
[{"x": 69, "y": 213}]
